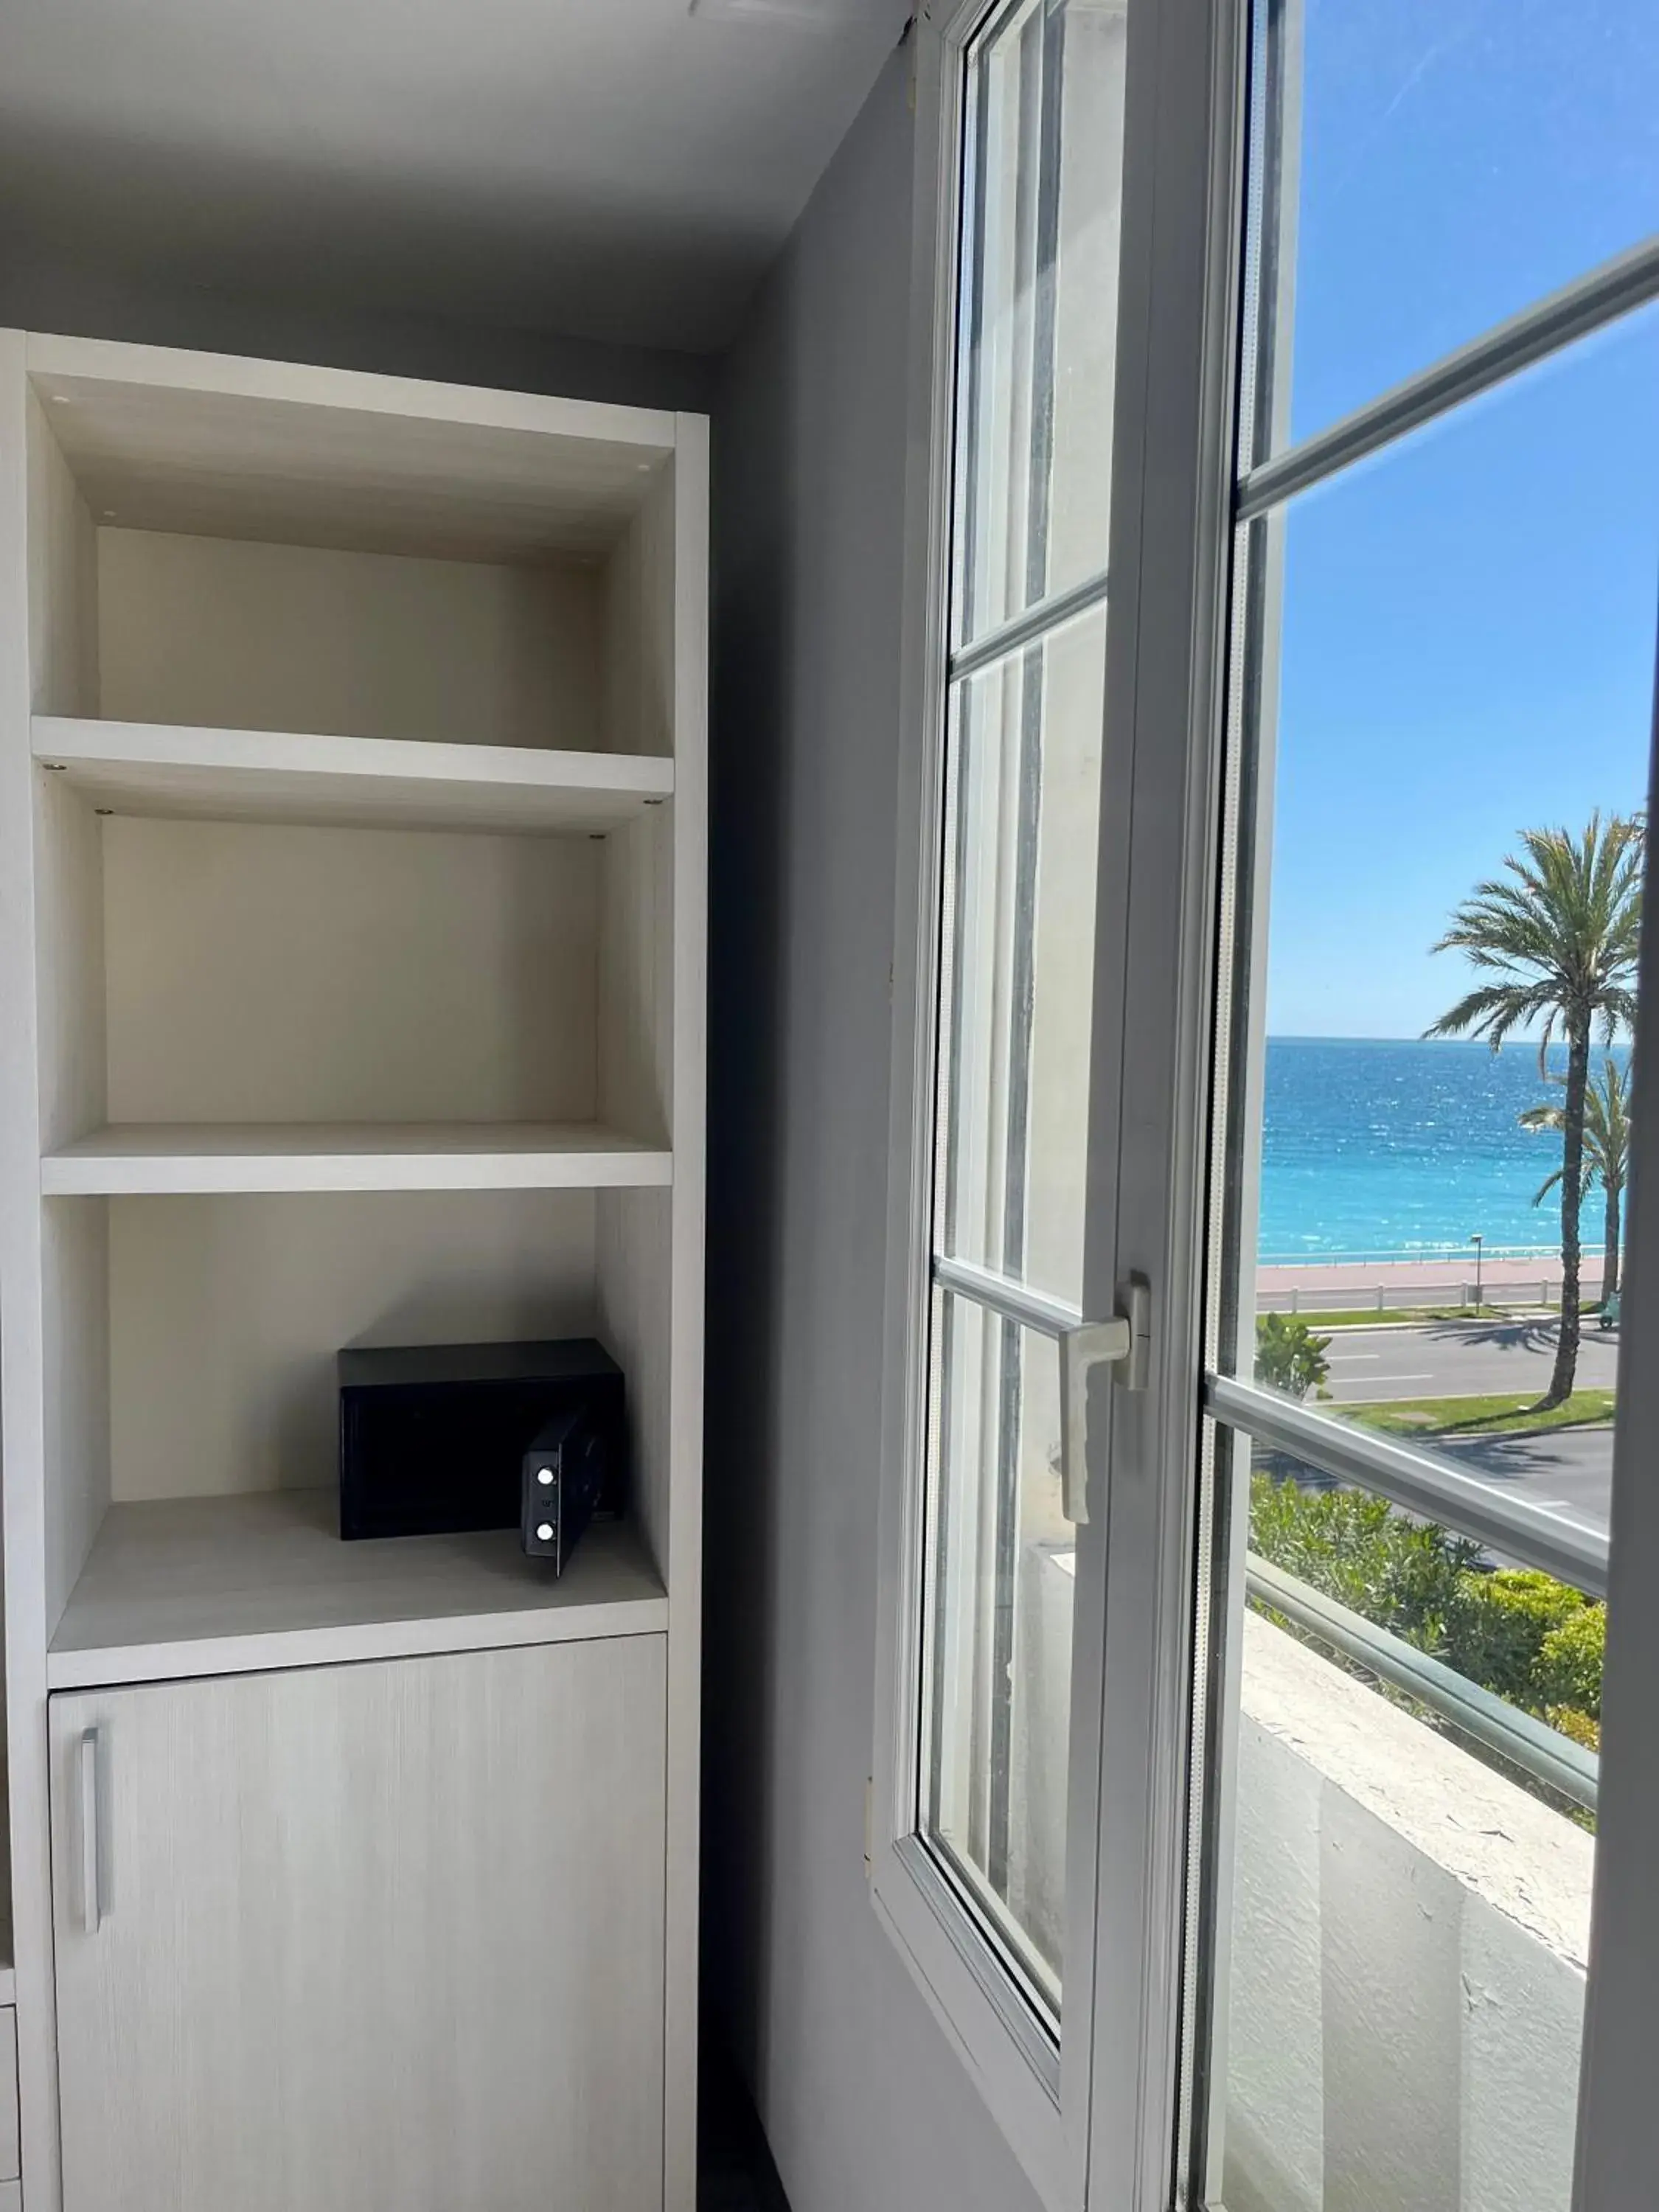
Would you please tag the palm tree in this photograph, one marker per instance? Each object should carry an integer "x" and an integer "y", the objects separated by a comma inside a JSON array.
[
  {"x": 1558, "y": 935},
  {"x": 1607, "y": 1154}
]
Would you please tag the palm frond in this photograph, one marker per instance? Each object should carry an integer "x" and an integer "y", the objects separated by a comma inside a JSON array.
[{"x": 1557, "y": 934}]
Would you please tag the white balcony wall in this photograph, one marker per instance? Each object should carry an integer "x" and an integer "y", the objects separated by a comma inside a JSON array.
[{"x": 1408, "y": 1936}]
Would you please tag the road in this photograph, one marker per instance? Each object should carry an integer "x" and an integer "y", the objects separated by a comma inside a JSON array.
[
  {"x": 1569, "y": 1470},
  {"x": 1458, "y": 1359}
]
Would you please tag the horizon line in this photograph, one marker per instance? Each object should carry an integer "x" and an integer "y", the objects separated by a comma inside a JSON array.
[{"x": 1347, "y": 1037}]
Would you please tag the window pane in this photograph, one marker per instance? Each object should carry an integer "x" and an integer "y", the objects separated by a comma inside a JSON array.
[
  {"x": 1019, "y": 854},
  {"x": 1450, "y": 700},
  {"x": 1459, "y": 160},
  {"x": 1400, "y": 1997},
  {"x": 1468, "y": 654},
  {"x": 1001, "y": 1574},
  {"x": 1018, "y": 962},
  {"x": 1043, "y": 163}
]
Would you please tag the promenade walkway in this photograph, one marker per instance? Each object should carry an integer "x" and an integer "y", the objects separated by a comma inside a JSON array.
[{"x": 1443, "y": 1279}]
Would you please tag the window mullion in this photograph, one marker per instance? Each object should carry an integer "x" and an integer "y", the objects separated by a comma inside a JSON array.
[
  {"x": 1510, "y": 1526},
  {"x": 1037, "y": 622},
  {"x": 1004, "y": 1295},
  {"x": 1627, "y": 282}
]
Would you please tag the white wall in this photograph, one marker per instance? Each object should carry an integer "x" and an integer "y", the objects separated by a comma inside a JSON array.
[
  {"x": 1409, "y": 1932},
  {"x": 1406, "y": 1938},
  {"x": 866, "y": 2104}
]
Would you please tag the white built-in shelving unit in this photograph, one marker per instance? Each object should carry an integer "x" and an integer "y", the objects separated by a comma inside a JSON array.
[{"x": 352, "y": 833}]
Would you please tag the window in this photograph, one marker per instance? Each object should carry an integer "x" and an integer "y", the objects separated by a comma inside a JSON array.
[
  {"x": 986, "y": 1766},
  {"x": 1442, "y": 701},
  {"x": 1239, "y": 1793},
  {"x": 1023, "y": 683}
]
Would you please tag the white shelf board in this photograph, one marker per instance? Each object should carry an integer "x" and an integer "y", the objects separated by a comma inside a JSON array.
[
  {"x": 206, "y": 443},
  {"x": 235, "y": 1585},
  {"x": 273, "y": 775},
  {"x": 169, "y": 1158}
]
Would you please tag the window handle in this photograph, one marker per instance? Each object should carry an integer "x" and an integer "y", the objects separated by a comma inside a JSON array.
[{"x": 1124, "y": 1342}]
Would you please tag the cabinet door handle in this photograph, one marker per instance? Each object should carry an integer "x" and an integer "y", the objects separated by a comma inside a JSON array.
[{"x": 92, "y": 1902}]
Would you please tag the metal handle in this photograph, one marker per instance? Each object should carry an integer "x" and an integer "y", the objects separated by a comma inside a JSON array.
[
  {"x": 1124, "y": 1342},
  {"x": 92, "y": 1902}
]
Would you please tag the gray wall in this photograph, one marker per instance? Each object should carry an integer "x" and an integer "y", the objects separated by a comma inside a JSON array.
[
  {"x": 866, "y": 2104},
  {"x": 40, "y": 292}
]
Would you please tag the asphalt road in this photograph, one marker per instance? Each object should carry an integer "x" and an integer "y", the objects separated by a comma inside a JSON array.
[
  {"x": 1459, "y": 1359},
  {"x": 1569, "y": 1470},
  {"x": 1569, "y": 1473}
]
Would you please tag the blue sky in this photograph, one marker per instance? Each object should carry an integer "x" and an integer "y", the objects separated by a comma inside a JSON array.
[{"x": 1469, "y": 620}]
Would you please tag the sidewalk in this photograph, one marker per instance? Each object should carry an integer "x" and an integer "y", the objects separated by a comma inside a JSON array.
[{"x": 1341, "y": 1286}]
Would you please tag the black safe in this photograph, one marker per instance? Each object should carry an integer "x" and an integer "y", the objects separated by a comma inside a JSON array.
[{"x": 437, "y": 1438}]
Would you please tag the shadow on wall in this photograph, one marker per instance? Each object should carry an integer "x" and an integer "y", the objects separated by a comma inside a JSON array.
[
  {"x": 76, "y": 297},
  {"x": 748, "y": 926},
  {"x": 735, "y": 2172}
]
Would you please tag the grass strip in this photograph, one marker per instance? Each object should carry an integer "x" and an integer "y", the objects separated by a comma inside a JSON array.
[{"x": 1504, "y": 1416}]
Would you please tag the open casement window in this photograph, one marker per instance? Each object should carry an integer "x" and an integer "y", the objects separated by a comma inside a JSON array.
[
  {"x": 1240, "y": 1787},
  {"x": 1010, "y": 1308}
]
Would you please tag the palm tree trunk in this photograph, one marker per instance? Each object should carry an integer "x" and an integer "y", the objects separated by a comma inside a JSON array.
[
  {"x": 1610, "y": 1264},
  {"x": 1573, "y": 1189}
]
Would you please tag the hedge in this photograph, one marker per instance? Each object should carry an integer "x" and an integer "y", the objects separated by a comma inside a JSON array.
[
  {"x": 1568, "y": 1672},
  {"x": 1500, "y": 1624},
  {"x": 1523, "y": 1635}
]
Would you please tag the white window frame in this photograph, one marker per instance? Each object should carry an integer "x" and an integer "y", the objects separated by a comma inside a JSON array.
[
  {"x": 963, "y": 1979},
  {"x": 1095, "y": 2122},
  {"x": 1107, "y": 2122}
]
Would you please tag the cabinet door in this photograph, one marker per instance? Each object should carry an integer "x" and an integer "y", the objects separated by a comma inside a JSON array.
[{"x": 381, "y": 1938}]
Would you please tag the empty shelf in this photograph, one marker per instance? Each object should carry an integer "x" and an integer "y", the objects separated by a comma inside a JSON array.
[
  {"x": 259, "y": 775},
  {"x": 233, "y": 1585},
  {"x": 143, "y": 1159}
]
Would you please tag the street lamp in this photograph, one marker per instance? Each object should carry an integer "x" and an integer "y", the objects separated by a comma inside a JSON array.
[{"x": 1476, "y": 1241}]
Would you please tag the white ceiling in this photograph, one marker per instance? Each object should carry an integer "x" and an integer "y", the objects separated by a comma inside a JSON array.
[{"x": 614, "y": 169}]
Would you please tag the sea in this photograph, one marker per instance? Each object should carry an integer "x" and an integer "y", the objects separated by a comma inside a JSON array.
[{"x": 1374, "y": 1147}]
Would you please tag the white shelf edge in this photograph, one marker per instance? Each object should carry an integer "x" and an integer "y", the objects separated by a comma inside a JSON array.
[
  {"x": 112, "y": 1666},
  {"x": 172, "y": 1160},
  {"x": 166, "y": 368},
  {"x": 249, "y": 1583},
  {"x": 274, "y": 775},
  {"x": 7, "y": 1996}
]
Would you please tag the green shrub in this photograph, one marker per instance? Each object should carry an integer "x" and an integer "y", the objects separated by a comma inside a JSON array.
[
  {"x": 1289, "y": 1356},
  {"x": 1355, "y": 1548},
  {"x": 1567, "y": 1720},
  {"x": 1496, "y": 1628},
  {"x": 1519, "y": 1633},
  {"x": 1568, "y": 1669}
]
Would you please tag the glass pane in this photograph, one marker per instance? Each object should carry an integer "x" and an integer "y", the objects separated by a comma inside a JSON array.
[
  {"x": 1467, "y": 634},
  {"x": 1021, "y": 839},
  {"x": 1043, "y": 174},
  {"x": 1458, "y": 160},
  {"x": 1001, "y": 1581},
  {"x": 1043, "y": 91},
  {"x": 1451, "y": 699},
  {"x": 1399, "y": 1993}
]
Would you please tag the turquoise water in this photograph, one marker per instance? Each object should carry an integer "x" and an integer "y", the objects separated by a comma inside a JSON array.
[{"x": 1390, "y": 1147}]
